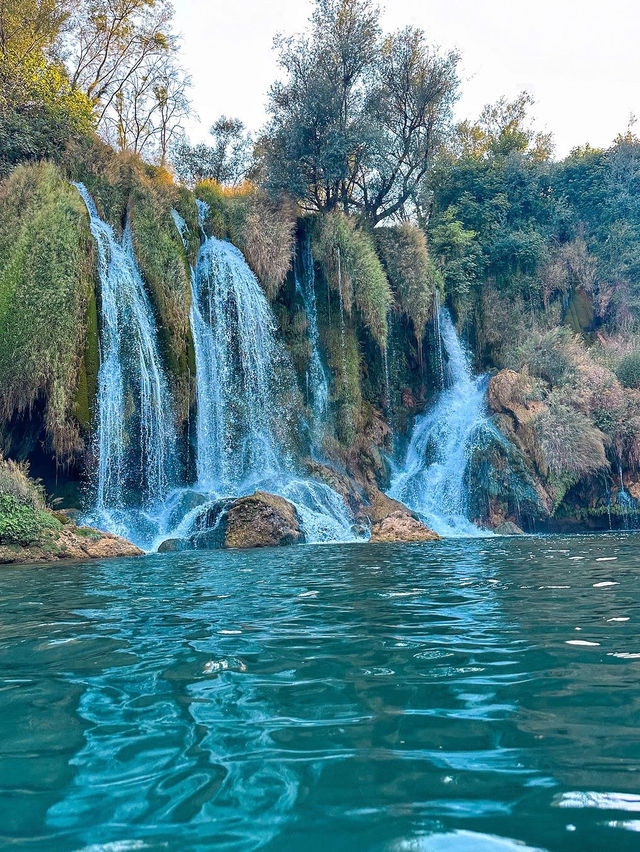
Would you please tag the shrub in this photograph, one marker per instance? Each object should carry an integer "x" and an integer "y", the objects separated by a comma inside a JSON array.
[
  {"x": 412, "y": 274},
  {"x": 628, "y": 370},
  {"x": 570, "y": 443},
  {"x": 22, "y": 524},
  {"x": 553, "y": 355},
  {"x": 15, "y": 483}
]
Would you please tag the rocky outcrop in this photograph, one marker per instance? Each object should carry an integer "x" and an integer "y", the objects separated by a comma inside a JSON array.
[
  {"x": 261, "y": 520},
  {"x": 401, "y": 526},
  {"x": 70, "y": 542},
  {"x": 258, "y": 520},
  {"x": 508, "y": 528}
]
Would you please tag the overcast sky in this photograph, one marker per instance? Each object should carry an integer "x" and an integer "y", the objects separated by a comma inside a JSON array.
[{"x": 580, "y": 60}]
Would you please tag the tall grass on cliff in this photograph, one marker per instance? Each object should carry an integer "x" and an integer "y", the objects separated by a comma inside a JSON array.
[
  {"x": 46, "y": 280},
  {"x": 348, "y": 256},
  {"x": 262, "y": 228}
]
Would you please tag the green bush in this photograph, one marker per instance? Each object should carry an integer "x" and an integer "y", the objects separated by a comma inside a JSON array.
[
  {"x": 628, "y": 370},
  {"x": 22, "y": 524},
  {"x": 262, "y": 229},
  {"x": 15, "y": 482},
  {"x": 570, "y": 443}
]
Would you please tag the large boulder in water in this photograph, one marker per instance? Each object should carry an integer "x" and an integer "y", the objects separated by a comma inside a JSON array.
[
  {"x": 261, "y": 520},
  {"x": 402, "y": 526}
]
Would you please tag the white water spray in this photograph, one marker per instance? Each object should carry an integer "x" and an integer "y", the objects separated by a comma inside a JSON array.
[{"x": 433, "y": 477}]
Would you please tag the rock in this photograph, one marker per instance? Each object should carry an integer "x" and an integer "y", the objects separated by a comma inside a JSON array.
[
  {"x": 70, "y": 542},
  {"x": 508, "y": 528},
  {"x": 380, "y": 507},
  {"x": 170, "y": 545},
  {"x": 401, "y": 526},
  {"x": 261, "y": 520},
  {"x": 338, "y": 481}
]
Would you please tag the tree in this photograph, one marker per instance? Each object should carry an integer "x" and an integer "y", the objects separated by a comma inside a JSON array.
[
  {"x": 115, "y": 48},
  {"x": 148, "y": 112},
  {"x": 357, "y": 117},
  {"x": 411, "y": 107},
  {"x": 39, "y": 108},
  {"x": 31, "y": 28},
  {"x": 225, "y": 161}
]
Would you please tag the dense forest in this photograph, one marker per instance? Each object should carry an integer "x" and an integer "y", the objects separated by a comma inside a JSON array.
[{"x": 361, "y": 161}]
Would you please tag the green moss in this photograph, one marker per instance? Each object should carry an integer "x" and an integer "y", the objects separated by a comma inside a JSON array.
[
  {"x": 163, "y": 264},
  {"x": 628, "y": 370},
  {"x": 413, "y": 275},
  {"x": 22, "y": 524},
  {"x": 350, "y": 262},
  {"x": 89, "y": 365},
  {"x": 45, "y": 283}
]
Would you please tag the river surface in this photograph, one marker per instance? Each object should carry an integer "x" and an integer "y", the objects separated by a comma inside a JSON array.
[{"x": 466, "y": 695}]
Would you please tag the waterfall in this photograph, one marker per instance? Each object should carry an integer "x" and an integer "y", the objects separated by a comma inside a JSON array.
[
  {"x": 316, "y": 375},
  {"x": 432, "y": 478},
  {"x": 343, "y": 344},
  {"x": 240, "y": 366},
  {"x": 136, "y": 439},
  {"x": 245, "y": 386}
]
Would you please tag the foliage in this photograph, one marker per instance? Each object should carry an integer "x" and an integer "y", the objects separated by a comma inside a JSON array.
[
  {"x": 570, "y": 443},
  {"x": 15, "y": 483},
  {"x": 40, "y": 112},
  {"x": 628, "y": 370},
  {"x": 225, "y": 161},
  {"x": 22, "y": 506},
  {"x": 121, "y": 55},
  {"x": 352, "y": 267},
  {"x": 263, "y": 229},
  {"x": 412, "y": 273},
  {"x": 45, "y": 279},
  {"x": 357, "y": 118}
]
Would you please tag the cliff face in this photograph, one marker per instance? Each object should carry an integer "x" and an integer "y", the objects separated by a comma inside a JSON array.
[{"x": 543, "y": 311}]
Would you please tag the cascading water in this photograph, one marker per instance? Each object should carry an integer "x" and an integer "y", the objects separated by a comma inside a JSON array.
[
  {"x": 432, "y": 479},
  {"x": 317, "y": 377},
  {"x": 136, "y": 438},
  {"x": 239, "y": 371},
  {"x": 244, "y": 386}
]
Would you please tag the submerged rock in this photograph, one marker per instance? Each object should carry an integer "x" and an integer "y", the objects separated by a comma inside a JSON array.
[
  {"x": 402, "y": 526},
  {"x": 508, "y": 528},
  {"x": 261, "y": 520}
]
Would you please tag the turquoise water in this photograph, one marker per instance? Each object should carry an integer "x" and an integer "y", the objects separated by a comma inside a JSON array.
[{"x": 391, "y": 697}]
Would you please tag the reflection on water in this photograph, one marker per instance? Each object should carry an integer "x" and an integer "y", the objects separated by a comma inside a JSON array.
[{"x": 400, "y": 697}]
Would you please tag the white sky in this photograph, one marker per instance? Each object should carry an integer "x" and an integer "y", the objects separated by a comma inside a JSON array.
[{"x": 580, "y": 59}]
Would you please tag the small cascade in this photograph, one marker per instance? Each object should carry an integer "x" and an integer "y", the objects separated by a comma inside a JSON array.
[
  {"x": 136, "y": 432},
  {"x": 343, "y": 344},
  {"x": 240, "y": 373},
  {"x": 433, "y": 478},
  {"x": 245, "y": 382},
  {"x": 318, "y": 385}
]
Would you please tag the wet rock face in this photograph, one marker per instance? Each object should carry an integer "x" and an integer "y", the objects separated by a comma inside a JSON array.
[
  {"x": 401, "y": 526},
  {"x": 261, "y": 520}
]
